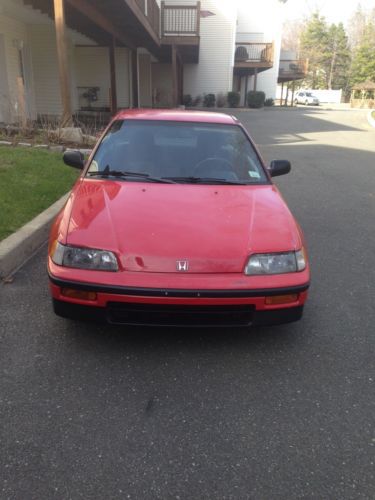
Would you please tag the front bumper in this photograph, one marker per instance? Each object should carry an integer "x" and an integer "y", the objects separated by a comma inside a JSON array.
[{"x": 189, "y": 307}]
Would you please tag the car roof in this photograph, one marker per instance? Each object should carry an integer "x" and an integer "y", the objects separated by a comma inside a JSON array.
[{"x": 178, "y": 115}]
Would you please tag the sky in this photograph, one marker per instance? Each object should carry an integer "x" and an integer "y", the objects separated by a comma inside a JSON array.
[{"x": 334, "y": 11}]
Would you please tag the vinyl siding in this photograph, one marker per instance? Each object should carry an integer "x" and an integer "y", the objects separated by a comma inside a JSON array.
[
  {"x": 46, "y": 71},
  {"x": 92, "y": 70},
  {"x": 262, "y": 27},
  {"x": 14, "y": 32},
  {"x": 4, "y": 86},
  {"x": 162, "y": 84},
  {"x": 123, "y": 77},
  {"x": 144, "y": 69},
  {"x": 214, "y": 73}
]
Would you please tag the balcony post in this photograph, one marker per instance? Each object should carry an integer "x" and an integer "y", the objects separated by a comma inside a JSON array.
[
  {"x": 174, "y": 76},
  {"x": 198, "y": 27},
  {"x": 62, "y": 59},
  {"x": 112, "y": 65},
  {"x": 246, "y": 90},
  {"x": 255, "y": 78},
  {"x": 135, "y": 79},
  {"x": 287, "y": 95},
  {"x": 162, "y": 14},
  {"x": 293, "y": 85}
]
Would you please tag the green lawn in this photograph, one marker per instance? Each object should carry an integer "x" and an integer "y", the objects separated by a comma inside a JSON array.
[{"x": 30, "y": 181}]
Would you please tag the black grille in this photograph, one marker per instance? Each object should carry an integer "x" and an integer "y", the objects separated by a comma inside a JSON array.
[{"x": 176, "y": 315}]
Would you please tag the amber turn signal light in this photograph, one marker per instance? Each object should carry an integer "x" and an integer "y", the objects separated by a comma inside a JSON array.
[
  {"x": 78, "y": 294},
  {"x": 281, "y": 299}
]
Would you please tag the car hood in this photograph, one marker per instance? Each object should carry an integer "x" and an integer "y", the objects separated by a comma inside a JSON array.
[{"x": 151, "y": 227}]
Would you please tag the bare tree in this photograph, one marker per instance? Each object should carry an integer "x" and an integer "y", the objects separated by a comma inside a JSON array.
[
  {"x": 357, "y": 25},
  {"x": 292, "y": 30}
]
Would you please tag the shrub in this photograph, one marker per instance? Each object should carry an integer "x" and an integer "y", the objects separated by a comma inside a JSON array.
[
  {"x": 221, "y": 100},
  {"x": 197, "y": 100},
  {"x": 187, "y": 100},
  {"x": 233, "y": 99},
  {"x": 255, "y": 99},
  {"x": 269, "y": 102},
  {"x": 209, "y": 100}
]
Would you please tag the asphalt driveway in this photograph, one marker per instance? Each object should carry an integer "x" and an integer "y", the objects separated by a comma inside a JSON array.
[{"x": 94, "y": 412}]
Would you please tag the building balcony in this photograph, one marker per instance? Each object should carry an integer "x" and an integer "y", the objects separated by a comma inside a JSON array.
[
  {"x": 251, "y": 58},
  {"x": 151, "y": 11},
  {"x": 180, "y": 26},
  {"x": 133, "y": 23},
  {"x": 292, "y": 69}
]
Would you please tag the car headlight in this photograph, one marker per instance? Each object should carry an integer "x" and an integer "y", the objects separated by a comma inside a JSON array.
[
  {"x": 276, "y": 263},
  {"x": 84, "y": 258}
]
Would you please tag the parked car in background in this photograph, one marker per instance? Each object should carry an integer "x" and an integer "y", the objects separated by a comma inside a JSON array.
[
  {"x": 307, "y": 98},
  {"x": 175, "y": 221}
]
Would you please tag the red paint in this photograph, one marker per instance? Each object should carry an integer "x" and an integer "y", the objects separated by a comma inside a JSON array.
[{"x": 170, "y": 222}]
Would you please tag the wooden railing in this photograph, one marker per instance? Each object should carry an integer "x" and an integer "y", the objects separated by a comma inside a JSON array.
[
  {"x": 180, "y": 20},
  {"x": 153, "y": 15},
  {"x": 141, "y": 4},
  {"x": 254, "y": 52},
  {"x": 151, "y": 11},
  {"x": 291, "y": 67}
]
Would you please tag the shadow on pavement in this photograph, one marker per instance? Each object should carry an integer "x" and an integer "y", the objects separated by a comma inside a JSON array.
[{"x": 288, "y": 126}]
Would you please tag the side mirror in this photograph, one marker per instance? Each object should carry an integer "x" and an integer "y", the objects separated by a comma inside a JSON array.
[
  {"x": 74, "y": 159},
  {"x": 279, "y": 167}
]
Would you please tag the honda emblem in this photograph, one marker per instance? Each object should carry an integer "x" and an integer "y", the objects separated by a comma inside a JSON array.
[{"x": 182, "y": 265}]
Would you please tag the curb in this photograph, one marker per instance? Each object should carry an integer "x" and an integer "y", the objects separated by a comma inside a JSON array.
[
  {"x": 21, "y": 245},
  {"x": 370, "y": 119}
]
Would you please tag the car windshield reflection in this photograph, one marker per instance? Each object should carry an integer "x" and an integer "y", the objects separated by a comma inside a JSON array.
[{"x": 178, "y": 152}]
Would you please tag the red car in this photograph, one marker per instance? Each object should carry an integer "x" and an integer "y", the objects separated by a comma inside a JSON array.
[{"x": 175, "y": 221}]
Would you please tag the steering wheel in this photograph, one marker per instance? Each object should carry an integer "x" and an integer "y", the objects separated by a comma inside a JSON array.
[{"x": 213, "y": 166}]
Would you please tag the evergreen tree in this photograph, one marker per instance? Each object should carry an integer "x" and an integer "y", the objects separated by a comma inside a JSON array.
[
  {"x": 314, "y": 47},
  {"x": 363, "y": 64},
  {"x": 338, "y": 65}
]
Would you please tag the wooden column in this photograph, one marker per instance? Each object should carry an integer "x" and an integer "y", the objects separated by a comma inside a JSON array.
[
  {"x": 62, "y": 59},
  {"x": 162, "y": 13},
  {"x": 293, "y": 86},
  {"x": 112, "y": 65},
  {"x": 21, "y": 102},
  {"x": 246, "y": 89},
  {"x": 180, "y": 81},
  {"x": 282, "y": 93},
  {"x": 287, "y": 95},
  {"x": 198, "y": 25},
  {"x": 174, "y": 77},
  {"x": 255, "y": 78},
  {"x": 134, "y": 57}
]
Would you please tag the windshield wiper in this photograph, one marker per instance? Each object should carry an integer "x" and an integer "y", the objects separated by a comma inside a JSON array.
[
  {"x": 107, "y": 172},
  {"x": 205, "y": 180}
]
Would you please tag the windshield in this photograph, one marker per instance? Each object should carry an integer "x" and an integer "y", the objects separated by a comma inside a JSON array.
[
  {"x": 155, "y": 151},
  {"x": 309, "y": 94}
]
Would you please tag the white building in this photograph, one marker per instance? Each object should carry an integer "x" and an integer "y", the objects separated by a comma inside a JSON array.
[{"x": 129, "y": 53}]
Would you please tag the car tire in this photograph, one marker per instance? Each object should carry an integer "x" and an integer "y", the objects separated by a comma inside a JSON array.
[
  {"x": 295, "y": 102},
  {"x": 306, "y": 103}
]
